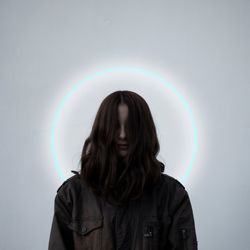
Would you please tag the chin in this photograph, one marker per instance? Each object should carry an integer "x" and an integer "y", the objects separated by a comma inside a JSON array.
[{"x": 123, "y": 154}]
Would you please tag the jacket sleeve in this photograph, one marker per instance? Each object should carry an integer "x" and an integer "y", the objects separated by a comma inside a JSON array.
[
  {"x": 182, "y": 233},
  {"x": 61, "y": 237}
]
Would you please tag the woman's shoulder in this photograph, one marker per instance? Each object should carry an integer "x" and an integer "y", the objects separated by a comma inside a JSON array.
[
  {"x": 70, "y": 183},
  {"x": 168, "y": 188},
  {"x": 171, "y": 181}
]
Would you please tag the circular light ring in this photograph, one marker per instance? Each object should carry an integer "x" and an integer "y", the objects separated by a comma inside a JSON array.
[{"x": 147, "y": 73}]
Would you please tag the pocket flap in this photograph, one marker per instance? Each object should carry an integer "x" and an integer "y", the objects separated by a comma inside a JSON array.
[{"x": 85, "y": 226}]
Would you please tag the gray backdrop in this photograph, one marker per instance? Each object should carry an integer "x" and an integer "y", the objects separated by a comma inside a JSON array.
[{"x": 46, "y": 45}]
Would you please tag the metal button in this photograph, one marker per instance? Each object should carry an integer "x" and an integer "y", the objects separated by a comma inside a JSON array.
[
  {"x": 83, "y": 229},
  {"x": 148, "y": 231}
]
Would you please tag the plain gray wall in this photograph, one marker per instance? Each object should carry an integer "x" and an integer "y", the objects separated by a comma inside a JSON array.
[{"x": 45, "y": 43}]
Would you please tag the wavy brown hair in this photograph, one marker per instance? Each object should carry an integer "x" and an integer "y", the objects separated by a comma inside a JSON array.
[{"x": 121, "y": 178}]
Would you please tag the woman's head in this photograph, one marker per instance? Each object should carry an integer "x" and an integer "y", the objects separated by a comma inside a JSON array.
[{"x": 115, "y": 171}]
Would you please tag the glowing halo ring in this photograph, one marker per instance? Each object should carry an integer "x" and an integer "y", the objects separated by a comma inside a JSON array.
[{"x": 130, "y": 70}]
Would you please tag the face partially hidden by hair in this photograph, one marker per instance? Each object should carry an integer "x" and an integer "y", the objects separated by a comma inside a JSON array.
[
  {"x": 122, "y": 143},
  {"x": 121, "y": 139}
]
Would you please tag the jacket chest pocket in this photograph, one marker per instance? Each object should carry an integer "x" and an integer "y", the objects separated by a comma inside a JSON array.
[
  {"x": 87, "y": 233},
  {"x": 150, "y": 234}
]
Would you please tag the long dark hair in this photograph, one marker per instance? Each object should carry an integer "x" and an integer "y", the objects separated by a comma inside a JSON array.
[{"x": 116, "y": 178}]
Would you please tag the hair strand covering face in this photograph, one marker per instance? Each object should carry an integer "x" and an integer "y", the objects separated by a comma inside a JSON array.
[{"x": 121, "y": 178}]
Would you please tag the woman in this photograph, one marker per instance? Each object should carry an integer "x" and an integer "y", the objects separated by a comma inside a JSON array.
[{"x": 120, "y": 198}]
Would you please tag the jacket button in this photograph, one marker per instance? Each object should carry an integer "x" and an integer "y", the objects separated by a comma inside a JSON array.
[{"x": 83, "y": 229}]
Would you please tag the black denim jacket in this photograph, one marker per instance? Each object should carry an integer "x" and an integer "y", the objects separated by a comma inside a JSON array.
[{"x": 160, "y": 219}]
